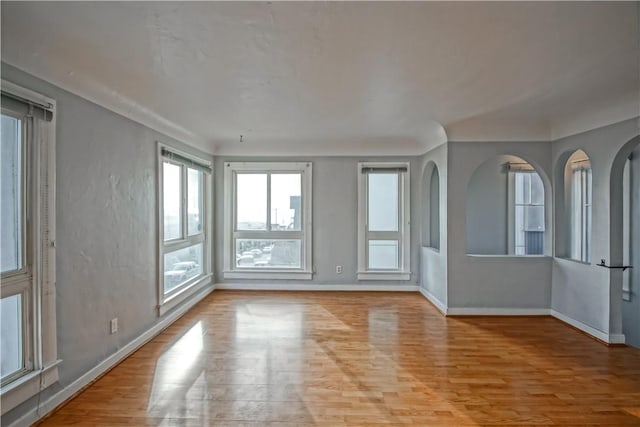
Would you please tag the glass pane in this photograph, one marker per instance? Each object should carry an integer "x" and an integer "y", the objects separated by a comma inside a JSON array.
[
  {"x": 11, "y": 195},
  {"x": 11, "y": 355},
  {"x": 286, "y": 201},
  {"x": 537, "y": 189},
  {"x": 181, "y": 266},
  {"x": 172, "y": 189},
  {"x": 251, "y": 201},
  {"x": 588, "y": 190},
  {"x": 195, "y": 186},
  {"x": 576, "y": 215},
  {"x": 519, "y": 225},
  {"x": 265, "y": 253},
  {"x": 382, "y": 200},
  {"x": 534, "y": 218},
  {"x": 520, "y": 187},
  {"x": 383, "y": 254}
]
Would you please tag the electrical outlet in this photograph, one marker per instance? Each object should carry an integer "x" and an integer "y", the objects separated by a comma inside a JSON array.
[
  {"x": 339, "y": 269},
  {"x": 114, "y": 325}
]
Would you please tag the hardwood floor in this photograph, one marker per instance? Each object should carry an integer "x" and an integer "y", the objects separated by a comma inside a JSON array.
[{"x": 336, "y": 358}]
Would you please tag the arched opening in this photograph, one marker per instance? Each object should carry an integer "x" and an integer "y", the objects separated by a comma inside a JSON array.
[
  {"x": 625, "y": 239},
  {"x": 431, "y": 206},
  {"x": 505, "y": 208},
  {"x": 577, "y": 183}
]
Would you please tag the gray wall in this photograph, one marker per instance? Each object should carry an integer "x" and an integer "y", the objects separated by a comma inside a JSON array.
[
  {"x": 106, "y": 226},
  {"x": 487, "y": 195},
  {"x": 584, "y": 292},
  {"x": 494, "y": 281},
  {"x": 335, "y": 221},
  {"x": 433, "y": 261}
]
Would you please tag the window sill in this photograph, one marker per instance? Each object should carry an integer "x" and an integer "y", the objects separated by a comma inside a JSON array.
[
  {"x": 27, "y": 386},
  {"x": 432, "y": 249},
  {"x": 508, "y": 256},
  {"x": 269, "y": 274},
  {"x": 176, "y": 299},
  {"x": 577, "y": 261},
  {"x": 384, "y": 275}
]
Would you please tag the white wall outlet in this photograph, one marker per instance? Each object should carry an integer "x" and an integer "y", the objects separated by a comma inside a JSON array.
[
  {"x": 113, "y": 324},
  {"x": 339, "y": 269}
]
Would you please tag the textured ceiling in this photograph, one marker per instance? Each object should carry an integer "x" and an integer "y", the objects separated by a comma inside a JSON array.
[{"x": 338, "y": 78}]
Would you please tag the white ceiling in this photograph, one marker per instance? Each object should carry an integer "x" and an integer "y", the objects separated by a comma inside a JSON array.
[{"x": 338, "y": 78}]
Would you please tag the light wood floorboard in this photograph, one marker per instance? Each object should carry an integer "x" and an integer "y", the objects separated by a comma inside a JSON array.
[{"x": 339, "y": 358}]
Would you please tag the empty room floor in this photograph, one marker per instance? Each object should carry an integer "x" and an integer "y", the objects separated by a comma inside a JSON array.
[{"x": 360, "y": 358}]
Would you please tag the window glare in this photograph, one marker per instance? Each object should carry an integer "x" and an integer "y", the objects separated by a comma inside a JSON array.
[
  {"x": 286, "y": 208},
  {"x": 194, "y": 201},
  {"x": 383, "y": 254},
  {"x": 383, "y": 202},
  {"x": 251, "y": 201},
  {"x": 172, "y": 189},
  {"x": 11, "y": 357},
  {"x": 11, "y": 194}
]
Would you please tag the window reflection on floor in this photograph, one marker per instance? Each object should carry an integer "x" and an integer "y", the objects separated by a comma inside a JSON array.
[
  {"x": 176, "y": 371},
  {"x": 263, "y": 321}
]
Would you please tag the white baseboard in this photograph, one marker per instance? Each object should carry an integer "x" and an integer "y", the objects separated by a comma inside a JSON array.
[
  {"x": 67, "y": 392},
  {"x": 433, "y": 300},
  {"x": 496, "y": 311},
  {"x": 314, "y": 287},
  {"x": 617, "y": 339},
  {"x": 597, "y": 333}
]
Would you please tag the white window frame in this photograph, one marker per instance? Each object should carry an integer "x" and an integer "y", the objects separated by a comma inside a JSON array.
[
  {"x": 511, "y": 206},
  {"x": 580, "y": 241},
  {"x": 403, "y": 235},
  {"x": 176, "y": 296},
  {"x": 231, "y": 270},
  {"x": 37, "y": 282}
]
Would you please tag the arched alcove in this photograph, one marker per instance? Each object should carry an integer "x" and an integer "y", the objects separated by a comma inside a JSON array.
[
  {"x": 506, "y": 209},
  {"x": 431, "y": 206},
  {"x": 625, "y": 242},
  {"x": 574, "y": 206}
]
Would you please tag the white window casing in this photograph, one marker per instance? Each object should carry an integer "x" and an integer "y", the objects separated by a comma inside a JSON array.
[
  {"x": 233, "y": 269},
  {"x": 401, "y": 235},
  {"x": 35, "y": 281},
  {"x": 169, "y": 299}
]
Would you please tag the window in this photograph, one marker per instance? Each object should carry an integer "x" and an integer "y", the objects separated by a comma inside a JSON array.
[
  {"x": 268, "y": 220},
  {"x": 28, "y": 354},
  {"x": 580, "y": 174},
  {"x": 185, "y": 248},
  {"x": 529, "y": 213},
  {"x": 383, "y": 221},
  {"x": 431, "y": 206}
]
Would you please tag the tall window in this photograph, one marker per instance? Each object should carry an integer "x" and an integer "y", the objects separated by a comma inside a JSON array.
[
  {"x": 268, "y": 220},
  {"x": 581, "y": 197},
  {"x": 383, "y": 221},
  {"x": 529, "y": 213},
  {"x": 186, "y": 242},
  {"x": 27, "y": 254}
]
